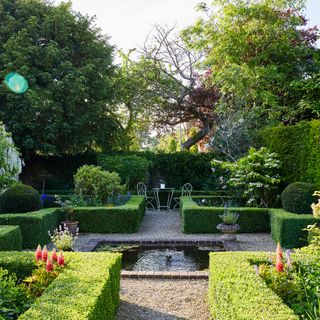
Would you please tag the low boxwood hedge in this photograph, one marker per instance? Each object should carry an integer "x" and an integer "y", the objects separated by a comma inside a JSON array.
[
  {"x": 287, "y": 228},
  {"x": 34, "y": 225},
  {"x": 237, "y": 293},
  {"x": 122, "y": 219},
  {"x": 198, "y": 219},
  {"x": 10, "y": 238},
  {"x": 88, "y": 288}
]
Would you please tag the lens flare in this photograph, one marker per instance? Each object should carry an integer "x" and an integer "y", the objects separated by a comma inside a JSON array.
[{"x": 16, "y": 83}]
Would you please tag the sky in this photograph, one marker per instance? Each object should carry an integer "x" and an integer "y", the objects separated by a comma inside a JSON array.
[{"x": 128, "y": 22}]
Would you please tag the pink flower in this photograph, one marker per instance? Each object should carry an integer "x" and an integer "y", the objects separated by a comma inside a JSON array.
[
  {"x": 38, "y": 253},
  {"x": 44, "y": 253},
  {"x": 279, "y": 250},
  {"x": 49, "y": 265},
  {"x": 279, "y": 264},
  {"x": 60, "y": 259},
  {"x": 54, "y": 255}
]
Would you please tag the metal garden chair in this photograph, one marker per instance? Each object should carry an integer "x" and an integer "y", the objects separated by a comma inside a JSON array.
[
  {"x": 185, "y": 191},
  {"x": 142, "y": 191}
]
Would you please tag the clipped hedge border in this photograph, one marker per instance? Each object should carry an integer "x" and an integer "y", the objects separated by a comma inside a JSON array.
[
  {"x": 122, "y": 219},
  {"x": 197, "y": 219},
  {"x": 287, "y": 228},
  {"x": 10, "y": 238},
  {"x": 237, "y": 293},
  {"x": 87, "y": 289},
  {"x": 34, "y": 225}
]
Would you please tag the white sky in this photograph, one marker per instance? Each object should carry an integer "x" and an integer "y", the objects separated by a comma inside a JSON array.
[{"x": 128, "y": 22}]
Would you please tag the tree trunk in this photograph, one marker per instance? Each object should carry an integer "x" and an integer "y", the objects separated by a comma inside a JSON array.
[{"x": 196, "y": 138}]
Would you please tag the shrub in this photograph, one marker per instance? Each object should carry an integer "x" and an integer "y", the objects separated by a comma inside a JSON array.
[
  {"x": 14, "y": 299},
  {"x": 122, "y": 219},
  {"x": 237, "y": 293},
  {"x": 298, "y": 149},
  {"x": 256, "y": 176},
  {"x": 196, "y": 219},
  {"x": 20, "y": 198},
  {"x": 10, "y": 238},
  {"x": 93, "y": 182},
  {"x": 288, "y": 228},
  {"x": 88, "y": 288},
  {"x": 131, "y": 168},
  {"x": 297, "y": 197},
  {"x": 34, "y": 225}
]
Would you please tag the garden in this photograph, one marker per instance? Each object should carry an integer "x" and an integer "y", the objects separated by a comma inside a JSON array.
[{"x": 179, "y": 180}]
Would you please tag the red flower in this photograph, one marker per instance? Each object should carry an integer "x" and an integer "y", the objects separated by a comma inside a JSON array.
[
  {"x": 54, "y": 255},
  {"x": 44, "y": 253},
  {"x": 279, "y": 251},
  {"x": 279, "y": 264},
  {"x": 49, "y": 265},
  {"x": 38, "y": 253},
  {"x": 61, "y": 259}
]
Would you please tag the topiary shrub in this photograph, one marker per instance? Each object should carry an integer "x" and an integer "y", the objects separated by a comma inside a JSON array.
[
  {"x": 297, "y": 197},
  {"x": 93, "y": 182},
  {"x": 19, "y": 199},
  {"x": 131, "y": 168}
]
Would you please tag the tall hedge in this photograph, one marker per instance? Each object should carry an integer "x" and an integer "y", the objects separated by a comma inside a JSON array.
[
  {"x": 176, "y": 169},
  {"x": 298, "y": 147}
]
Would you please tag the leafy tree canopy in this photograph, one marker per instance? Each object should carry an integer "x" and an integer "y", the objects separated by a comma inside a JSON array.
[
  {"x": 261, "y": 56},
  {"x": 68, "y": 64}
]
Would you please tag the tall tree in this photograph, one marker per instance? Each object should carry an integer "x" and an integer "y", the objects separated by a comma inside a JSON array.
[
  {"x": 168, "y": 85},
  {"x": 68, "y": 64},
  {"x": 259, "y": 53}
]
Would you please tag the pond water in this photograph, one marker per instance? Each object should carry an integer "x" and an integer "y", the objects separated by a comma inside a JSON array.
[{"x": 141, "y": 258}]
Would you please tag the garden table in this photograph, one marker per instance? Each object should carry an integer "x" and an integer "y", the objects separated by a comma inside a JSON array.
[{"x": 170, "y": 192}]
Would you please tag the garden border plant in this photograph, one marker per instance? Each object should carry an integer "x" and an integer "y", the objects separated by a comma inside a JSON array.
[
  {"x": 286, "y": 228},
  {"x": 10, "y": 238},
  {"x": 88, "y": 288},
  {"x": 35, "y": 225},
  {"x": 237, "y": 293}
]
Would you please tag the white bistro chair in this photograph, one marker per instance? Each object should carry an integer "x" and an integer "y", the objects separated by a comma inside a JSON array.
[
  {"x": 142, "y": 191},
  {"x": 185, "y": 192}
]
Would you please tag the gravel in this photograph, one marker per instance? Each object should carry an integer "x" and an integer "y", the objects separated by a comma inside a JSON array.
[
  {"x": 163, "y": 300},
  {"x": 166, "y": 225}
]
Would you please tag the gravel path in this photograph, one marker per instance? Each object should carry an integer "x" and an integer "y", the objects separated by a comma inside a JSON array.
[
  {"x": 166, "y": 225},
  {"x": 163, "y": 300}
]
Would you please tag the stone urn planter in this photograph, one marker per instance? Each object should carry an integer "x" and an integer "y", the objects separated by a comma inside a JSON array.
[
  {"x": 72, "y": 226},
  {"x": 229, "y": 227},
  {"x": 229, "y": 231}
]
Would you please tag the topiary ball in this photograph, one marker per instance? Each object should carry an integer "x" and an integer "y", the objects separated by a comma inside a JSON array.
[
  {"x": 297, "y": 197},
  {"x": 20, "y": 198}
]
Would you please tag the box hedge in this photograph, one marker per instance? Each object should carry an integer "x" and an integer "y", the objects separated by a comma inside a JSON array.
[
  {"x": 10, "y": 238},
  {"x": 298, "y": 149},
  {"x": 88, "y": 288},
  {"x": 237, "y": 293},
  {"x": 34, "y": 225},
  {"x": 122, "y": 219},
  {"x": 198, "y": 219},
  {"x": 287, "y": 228}
]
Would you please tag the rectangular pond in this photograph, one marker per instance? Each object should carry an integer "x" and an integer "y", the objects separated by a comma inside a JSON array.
[{"x": 160, "y": 258}]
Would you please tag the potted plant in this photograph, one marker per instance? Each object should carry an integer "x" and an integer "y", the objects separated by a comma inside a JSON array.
[
  {"x": 67, "y": 207},
  {"x": 229, "y": 227}
]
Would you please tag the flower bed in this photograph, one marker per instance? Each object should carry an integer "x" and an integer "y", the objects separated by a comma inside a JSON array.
[
  {"x": 286, "y": 228},
  {"x": 237, "y": 293},
  {"x": 88, "y": 288},
  {"x": 10, "y": 238}
]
